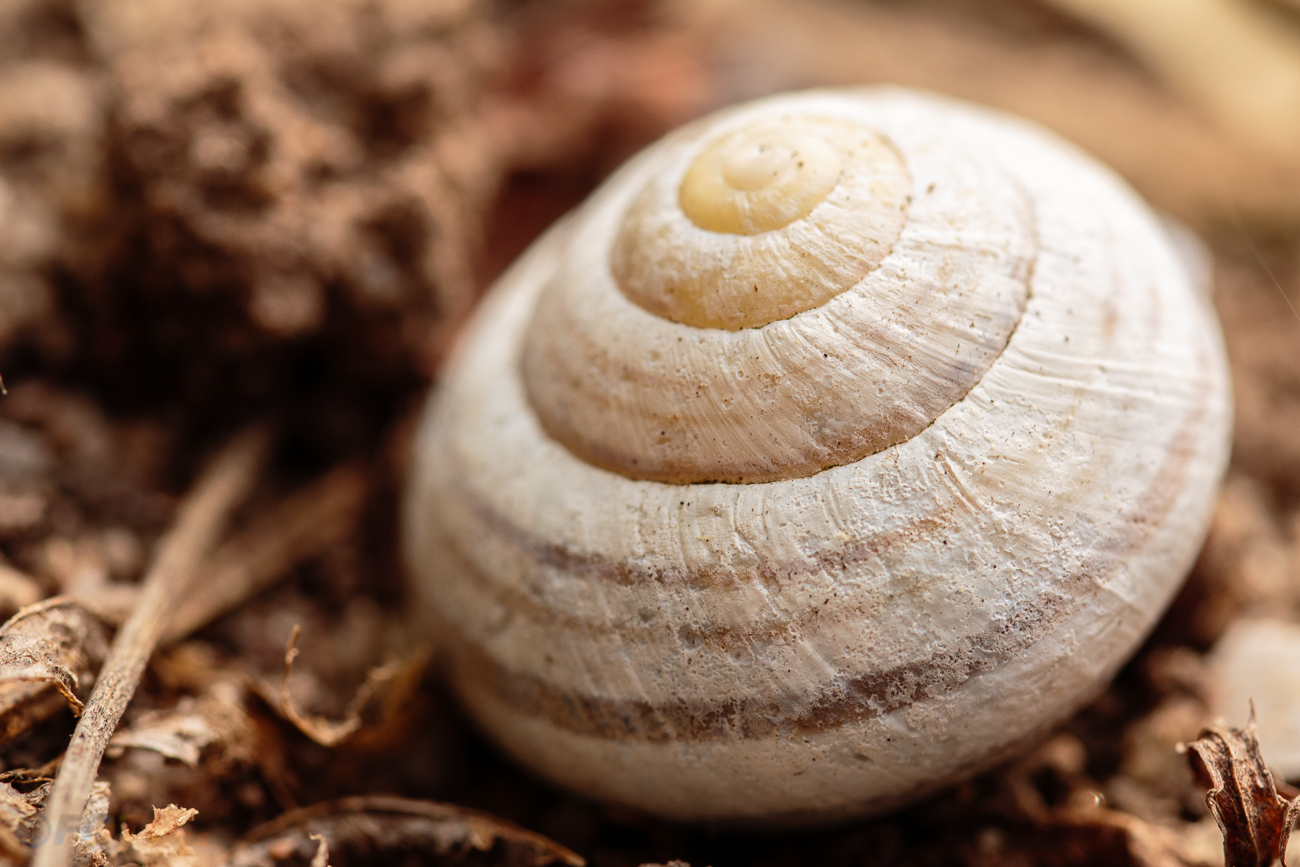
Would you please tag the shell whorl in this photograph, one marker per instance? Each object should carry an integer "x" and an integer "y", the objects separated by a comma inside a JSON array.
[
  {"x": 724, "y": 314},
  {"x": 768, "y": 220}
]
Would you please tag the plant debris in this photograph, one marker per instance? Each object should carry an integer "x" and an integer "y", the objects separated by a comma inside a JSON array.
[
  {"x": 52, "y": 643},
  {"x": 387, "y": 691},
  {"x": 1255, "y": 820},
  {"x": 161, "y": 843},
  {"x": 380, "y": 827},
  {"x": 200, "y": 518}
]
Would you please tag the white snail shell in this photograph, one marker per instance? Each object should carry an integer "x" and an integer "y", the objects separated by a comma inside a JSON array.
[{"x": 841, "y": 442}]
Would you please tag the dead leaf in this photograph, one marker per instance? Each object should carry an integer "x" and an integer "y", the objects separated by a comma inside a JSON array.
[
  {"x": 322, "y": 856},
  {"x": 21, "y": 829},
  {"x": 214, "y": 723},
  {"x": 388, "y": 689},
  {"x": 54, "y": 643},
  {"x": 162, "y": 842},
  {"x": 379, "y": 826},
  {"x": 1080, "y": 822},
  {"x": 17, "y": 822},
  {"x": 1147, "y": 844},
  {"x": 1256, "y": 821}
]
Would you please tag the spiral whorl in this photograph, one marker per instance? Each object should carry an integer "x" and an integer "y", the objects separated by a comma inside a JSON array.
[
  {"x": 762, "y": 177},
  {"x": 764, "y": 298},
  {"x": 769, "y": 220}
]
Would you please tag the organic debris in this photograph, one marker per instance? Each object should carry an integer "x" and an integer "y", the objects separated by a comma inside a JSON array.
[
  {"x": 380, "y": 827},
  {"x": 1255, "y": 820},
  {"x": 52, "y": 643},
  {"x": 161, "y": 843},
  {"x": 387, "y": 691}
]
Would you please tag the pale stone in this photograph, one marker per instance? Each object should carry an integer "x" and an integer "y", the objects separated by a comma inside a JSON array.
[{"x": 1259, "y": 661}]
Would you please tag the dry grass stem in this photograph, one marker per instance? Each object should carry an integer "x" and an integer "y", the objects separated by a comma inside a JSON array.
[
  {"x": 200, "y": 518},
  {"x": 297, "y": 528}
]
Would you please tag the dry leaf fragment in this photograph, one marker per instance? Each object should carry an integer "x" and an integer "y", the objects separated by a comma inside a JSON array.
[
  {"x": 388, "y": 689},
  {"x": 322, "y": 856},
  {"x": 376, "y": 827},
  {"x": 17, "y": 822},
  {"x": 1256, "y": 821},
  {"x": 1080, "y": 822},
  {"x": 214, "y": 723},
  {"x": 21, "y": 831},
  {"x": 55, "y": 642},
  {"x": 200, "y": 517},
  {"x": 162, "y": 842}
]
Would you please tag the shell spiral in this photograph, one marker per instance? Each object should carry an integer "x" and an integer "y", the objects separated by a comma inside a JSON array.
[{"x": 840, "y": 443}]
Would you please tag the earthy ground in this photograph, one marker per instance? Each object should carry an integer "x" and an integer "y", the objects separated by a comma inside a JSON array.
[{"x": 272, "y": 217}]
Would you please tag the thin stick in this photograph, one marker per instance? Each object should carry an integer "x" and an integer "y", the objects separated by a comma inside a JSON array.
[
  {"x": 200, "y": 519},
  {"x": 299, "y": 527}
]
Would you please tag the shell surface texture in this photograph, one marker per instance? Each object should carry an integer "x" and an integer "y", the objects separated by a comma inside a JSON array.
[{"x": 840, "y": 443}]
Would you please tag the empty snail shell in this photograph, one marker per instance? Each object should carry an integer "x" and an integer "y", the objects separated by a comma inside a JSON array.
[{"x": 838, "y": 444}]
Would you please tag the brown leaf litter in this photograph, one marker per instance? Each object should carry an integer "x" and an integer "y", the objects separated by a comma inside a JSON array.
[
  {"x": 1255, "y": 820},
  {"x": 200, "y": 518},
  {"x": 55, "y": 643},
  {"x": 161, "y": 843},
  {"x": 195, "y": 727},
  {"x": 22, "y": 829},
  {"x": 388, "y": 690},
  {"x": 381, "y": 827}
]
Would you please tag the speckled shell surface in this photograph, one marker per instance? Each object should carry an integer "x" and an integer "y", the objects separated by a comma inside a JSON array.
[{"x": 818, "y": 566}]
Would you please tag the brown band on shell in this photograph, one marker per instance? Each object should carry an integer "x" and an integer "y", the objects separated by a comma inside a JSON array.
[
  {"x": 604, "y": 570},
  {"x": 845, "y": 700}
]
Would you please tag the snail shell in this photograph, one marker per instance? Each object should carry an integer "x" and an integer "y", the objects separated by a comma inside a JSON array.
[{"x": 840, "y": 443}]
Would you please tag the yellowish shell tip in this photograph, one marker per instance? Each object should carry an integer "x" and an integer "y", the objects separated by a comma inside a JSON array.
[
  {"x": 767, "y": 220},
  {"x": 759, "y": 179}
]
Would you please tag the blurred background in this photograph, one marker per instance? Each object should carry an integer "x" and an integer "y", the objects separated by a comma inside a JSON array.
[{"x": 281, "y": 211}]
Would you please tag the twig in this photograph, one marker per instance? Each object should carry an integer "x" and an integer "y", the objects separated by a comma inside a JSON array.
[
  {"x": 298, "y": 527},
  {"x": 200, "y": 519}
]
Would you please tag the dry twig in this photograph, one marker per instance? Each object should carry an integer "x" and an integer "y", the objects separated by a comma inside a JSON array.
[
  {"x": 201, "y": 517},
  {"x": 297, "y": 528}
]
